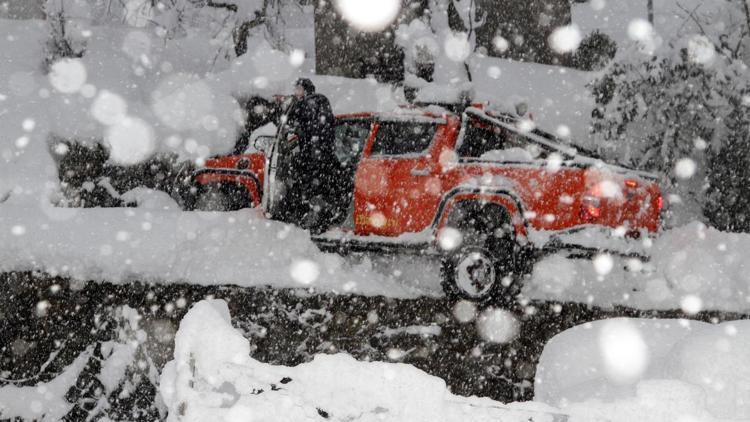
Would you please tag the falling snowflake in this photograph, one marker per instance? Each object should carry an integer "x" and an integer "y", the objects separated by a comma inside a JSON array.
[
  {"x": 131, "y": 141},
  {"x": 68, "y": 75},
  {"x": 624, "y": 353},
  {"x": 603, "y": 264},
  {"x": 497, "y": 325},
  {"x": 304, "y": 271},
  {"x": 449, "y": 239},
  {"x": 369, "y": 15},
  {"x": 685, "y": 168},
  {"x": 565, "y": 39}
]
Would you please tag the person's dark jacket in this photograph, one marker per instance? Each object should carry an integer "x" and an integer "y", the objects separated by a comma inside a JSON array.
[
  {"x": 312, "y": 120},
  {"x": 314, "y": 168}
]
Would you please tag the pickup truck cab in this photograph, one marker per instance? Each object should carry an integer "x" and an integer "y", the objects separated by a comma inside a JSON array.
[{"x": 483, "y": 190}]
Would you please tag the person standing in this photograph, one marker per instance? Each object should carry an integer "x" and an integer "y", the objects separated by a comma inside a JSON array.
[{"x": 312, "y": 166}]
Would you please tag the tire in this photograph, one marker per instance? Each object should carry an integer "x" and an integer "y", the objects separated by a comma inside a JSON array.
[
  {"x": 484, "y": 268},
  {"x": 221, "y": 197}
]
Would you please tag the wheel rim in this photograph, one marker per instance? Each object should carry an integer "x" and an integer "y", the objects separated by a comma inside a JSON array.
[{"x": 475, "y": 273}]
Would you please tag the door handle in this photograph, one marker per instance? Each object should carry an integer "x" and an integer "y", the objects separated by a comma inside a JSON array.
[{"x": 420, "y": 172}]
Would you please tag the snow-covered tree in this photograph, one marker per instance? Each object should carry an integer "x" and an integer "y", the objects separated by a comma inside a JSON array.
[
  {"x": 676, "y": 107},
  {"x": 66, "y": 21},
  {"x": 438, "y": 45}
]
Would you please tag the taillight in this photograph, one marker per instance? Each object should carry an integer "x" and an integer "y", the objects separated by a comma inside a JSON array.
[
  {"x": 591, "y": 207},
  {"x": 243, "y": 163},
  {"x": 660, "y": 202}
]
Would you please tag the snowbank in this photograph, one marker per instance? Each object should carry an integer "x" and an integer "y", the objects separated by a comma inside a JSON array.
[
  {"x": 213, "y": 377},
  {"x": 648, "y": 370},
  {"x": 692, "y": 268},
  {"x": 44, "y": 401},
  {"x": 615, "y": 370},
  {"x": 164, "y": 245}
]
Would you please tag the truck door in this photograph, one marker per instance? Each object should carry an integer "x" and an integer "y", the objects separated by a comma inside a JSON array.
[
  {"x": 351, "y": 136},
  {"x": 271, "y": 184},
  {"x": 397, "y": 185}
]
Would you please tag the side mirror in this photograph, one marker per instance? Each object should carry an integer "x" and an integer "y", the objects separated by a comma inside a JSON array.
[{"x": 263, "y": 143}]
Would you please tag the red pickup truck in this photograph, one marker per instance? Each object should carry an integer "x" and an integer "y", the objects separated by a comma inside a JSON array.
[{"x": 483, "y": 190}]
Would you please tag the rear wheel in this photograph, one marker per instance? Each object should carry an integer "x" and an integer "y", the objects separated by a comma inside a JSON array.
[
  {"x": 222, "y": 197},
  {"x": 483, "y": 268}
]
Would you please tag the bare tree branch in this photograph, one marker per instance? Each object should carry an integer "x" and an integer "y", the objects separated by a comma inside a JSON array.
[
  {"x": 242, "y": 32},
  {"x": 228, "y": 6},
  {"x": 747, "y": 13}
]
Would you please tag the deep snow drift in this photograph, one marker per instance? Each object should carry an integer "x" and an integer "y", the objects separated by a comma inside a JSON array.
[
  {"x": 617, "y": 370},
  {"x": 648, "y": 369},
  {"x": 692, "y": 268},
  {"x": 167, "y": 245},
  {"x": 213, "y": 377}
]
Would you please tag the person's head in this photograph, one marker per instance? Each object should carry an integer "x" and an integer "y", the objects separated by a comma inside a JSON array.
[{"x": 303, "y": 87}]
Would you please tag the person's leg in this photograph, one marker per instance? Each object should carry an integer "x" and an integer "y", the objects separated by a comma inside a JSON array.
[{"x": 327, "y": 201}]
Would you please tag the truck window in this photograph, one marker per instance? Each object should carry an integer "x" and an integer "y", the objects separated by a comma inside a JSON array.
[
  {"x": 403, "y": 138},
  {"x": 479, "y": 139},
  {"x": 537, "y": 150},
  {"x": 350, "y": 138}
]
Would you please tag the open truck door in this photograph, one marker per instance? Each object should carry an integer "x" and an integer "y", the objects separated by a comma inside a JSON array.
[{"x": 269, "y": 187}]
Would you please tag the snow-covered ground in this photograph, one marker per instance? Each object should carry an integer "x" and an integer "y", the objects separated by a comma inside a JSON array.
[
  {"x": 167, "y": 245},
  {"x": 132, "y": 83},
  {"x": 692, "y": 268}
]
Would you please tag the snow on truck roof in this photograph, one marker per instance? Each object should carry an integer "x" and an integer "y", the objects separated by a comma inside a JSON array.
[{"x": 431, "y": 114}]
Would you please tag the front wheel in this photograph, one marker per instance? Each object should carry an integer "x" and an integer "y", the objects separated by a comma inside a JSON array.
[{"x": 222, "y": 197}]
